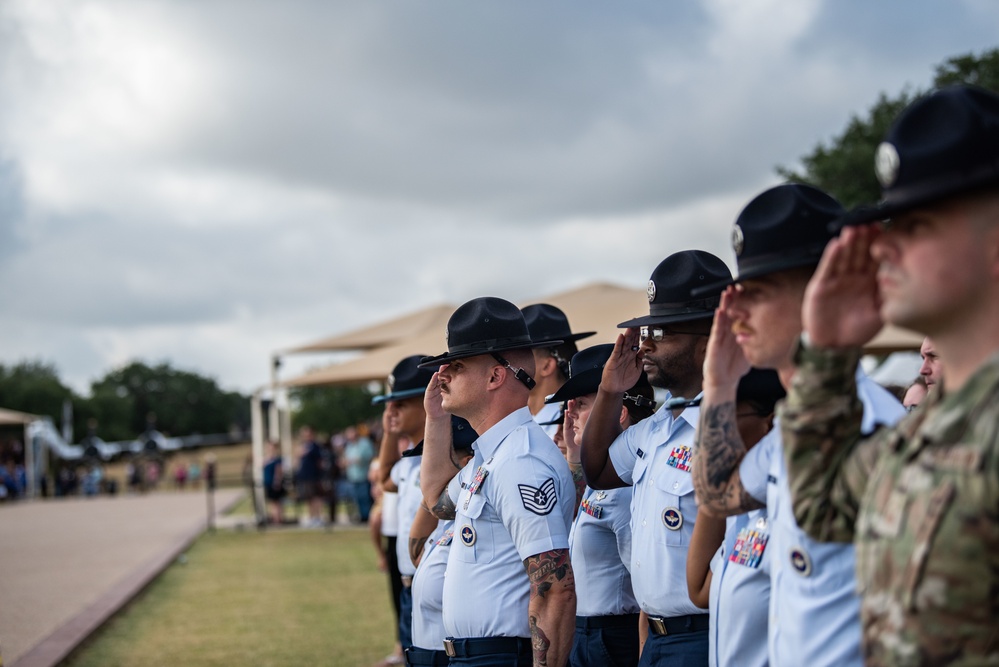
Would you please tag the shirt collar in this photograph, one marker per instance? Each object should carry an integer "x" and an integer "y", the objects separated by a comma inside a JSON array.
[{"x": 489, "y": 442}]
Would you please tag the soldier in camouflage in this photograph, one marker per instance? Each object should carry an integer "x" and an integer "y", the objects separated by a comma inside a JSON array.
[{"x": 920, "y": 500}]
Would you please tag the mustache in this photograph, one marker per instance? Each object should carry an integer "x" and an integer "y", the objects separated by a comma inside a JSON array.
[{"x": 741, "y": 328}]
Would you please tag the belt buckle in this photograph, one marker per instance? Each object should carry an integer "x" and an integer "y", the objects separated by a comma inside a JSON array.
[
  {"x": 449, "y": 648},
  {"x": 658, "y": 625}
]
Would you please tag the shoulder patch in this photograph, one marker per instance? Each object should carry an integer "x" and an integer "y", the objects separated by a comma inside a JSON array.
[{"x": 539, "y": 500}]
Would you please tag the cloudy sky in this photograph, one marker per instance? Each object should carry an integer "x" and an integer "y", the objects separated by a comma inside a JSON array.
[{"x": 206, "y": 182}]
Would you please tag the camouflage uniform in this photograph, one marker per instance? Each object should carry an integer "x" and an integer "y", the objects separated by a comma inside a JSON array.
[{"x": 921, "y": 500}]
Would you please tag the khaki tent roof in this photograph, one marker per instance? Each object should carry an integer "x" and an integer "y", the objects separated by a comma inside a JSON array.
[
  {"x": 9, "y": 417},
  {"x": 384, "y": 333},
  {"x": 596, "y": 307}
]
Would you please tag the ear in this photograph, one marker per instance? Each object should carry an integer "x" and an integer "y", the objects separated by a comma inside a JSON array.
[
  {"x": 623, "y": 417},
  {"x": 497, "y": 376},
  {"x": 547, "y": 365}
]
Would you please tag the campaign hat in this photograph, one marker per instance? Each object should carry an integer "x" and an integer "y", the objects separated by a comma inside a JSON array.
[
  {"x": 943, "y": 144},
  {"x": 484, "y": 325},
  {"x": 585, "y": 371},
  {"x": 462, "y": 437},
  {"x": 785, "y": 227},
  {"x": 547, "y": 323},
  {"x": 761, "y": 385},
  {"x": 671, "y": 284},
  {"x": 406, "y": 380}
]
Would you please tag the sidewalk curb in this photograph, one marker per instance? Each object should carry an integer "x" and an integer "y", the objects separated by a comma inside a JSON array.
[{"x": 57, "y": 646}]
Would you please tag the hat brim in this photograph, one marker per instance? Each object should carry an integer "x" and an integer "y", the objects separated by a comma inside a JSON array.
[
  {"x": 557, "y": 420},
  {"x": 571, "y": 338},
  {"x": 649, "y": 320},
  {"x": 757, "y": 271},
  {"x": 448, "y": 357},
  {"x": 581, "y": 384},
  {"x": 398, "y": 395},
  {"x": 916, "y": 196}
]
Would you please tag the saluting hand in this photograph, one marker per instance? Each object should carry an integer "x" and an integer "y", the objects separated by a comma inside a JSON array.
[
  {"x": 624, "y": 367},
  {"x": 724, "y": 362},
  {"x": 842, "y": 305},
  {"x": 433, "y": 401}
]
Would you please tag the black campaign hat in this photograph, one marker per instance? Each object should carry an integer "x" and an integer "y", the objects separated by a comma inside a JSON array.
[
  {"x": 761, "y": 385},
  {"x": 462, "y": 437},
  {"x": 407, "y": 380},
  {"x": 785, "y": 227},
  {"x": 482, "y": 326},
  {"x": 585, "y": 371},
  {"x": 672, "y": 283},
  {"x": 547, "y": 323},
  {"x": 943, "y": 144}
]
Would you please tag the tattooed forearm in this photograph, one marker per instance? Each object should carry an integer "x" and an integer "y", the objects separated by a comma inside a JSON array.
[
  {"x": 578, "y": 480},
  {"x": 539, "y": 642},
  {"x": 444, "y": 508},
  {"x": 719, "y": 451},
  {"x": 552, "y": 606}
]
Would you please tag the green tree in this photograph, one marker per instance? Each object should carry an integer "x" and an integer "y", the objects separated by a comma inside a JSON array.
[
  {"x": 34, "y": 387},
  {"x": 845, "y": 167},
  {"x": 332, "y": 409},
  {"x": 183, "y": 403}
]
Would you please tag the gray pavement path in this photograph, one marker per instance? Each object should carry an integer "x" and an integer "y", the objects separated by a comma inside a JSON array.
[{"x": 67, "y": 565}]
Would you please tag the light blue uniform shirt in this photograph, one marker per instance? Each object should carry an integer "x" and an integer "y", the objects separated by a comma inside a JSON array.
[
  {"x": 814, "y": 606},
  {"x": 600, "y": 549},
  {"x": 406, "y": 476},
  {"x": 654, "y": 456},
  {"x": 514, "y": 500},
  {"x": 428, "y": 590},
  {"x": 739, "y": 600},
  {"x": 549, "y": 412}
]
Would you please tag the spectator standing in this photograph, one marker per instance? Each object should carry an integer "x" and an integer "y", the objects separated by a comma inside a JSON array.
[
  {"x": 357, "y": 454},
  {"x": 308, "y": 477}
]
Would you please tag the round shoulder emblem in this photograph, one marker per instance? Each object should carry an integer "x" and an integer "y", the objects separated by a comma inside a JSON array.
[
  {"x": 738, "y": 240},
  {"x": 672, "y": 518},
  {"x": 467, "y": 535},
  {"x": 800, "y": 562},
  {"x": 886, "y": 164},
  {"x": 651, "y": 291}
]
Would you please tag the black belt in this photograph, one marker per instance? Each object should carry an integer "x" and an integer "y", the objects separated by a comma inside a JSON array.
[
  {"x": 599, "y": 622},
  {"x": 469, "y": 648},
  {"x": 423, "y": 656},
  {"x": 678, "y": 624}
]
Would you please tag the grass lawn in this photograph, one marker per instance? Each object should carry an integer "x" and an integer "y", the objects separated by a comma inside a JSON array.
[{"x": 245, "y": 598}]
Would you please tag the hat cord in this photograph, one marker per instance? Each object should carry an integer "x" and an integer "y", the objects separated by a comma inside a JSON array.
[{"x": 518, "y": 373}]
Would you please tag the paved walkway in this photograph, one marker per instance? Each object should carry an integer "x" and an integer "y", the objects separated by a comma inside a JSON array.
[{"x": 67, "y": 565}]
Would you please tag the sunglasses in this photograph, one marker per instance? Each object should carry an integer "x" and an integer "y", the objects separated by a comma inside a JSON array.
[{"x": 658, "y": 333}]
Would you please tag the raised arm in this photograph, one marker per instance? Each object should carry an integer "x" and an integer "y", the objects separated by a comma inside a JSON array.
[
  {"x": 828, "y": 463},
  {"x": 572, "y": 455},
  {"x": 438, "y": 465},
  {"x": 388, "y": 454},
  {"x": 720, "y": 449},
  {"x": 603, "y": 426},
  {"x": 552, "y": 606}
]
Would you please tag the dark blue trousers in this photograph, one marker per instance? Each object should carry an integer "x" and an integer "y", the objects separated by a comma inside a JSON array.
[{"x": 687, "y": 649}]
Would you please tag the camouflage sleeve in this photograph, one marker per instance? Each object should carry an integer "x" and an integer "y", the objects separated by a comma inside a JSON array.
[{"x": 827, "y": 461}]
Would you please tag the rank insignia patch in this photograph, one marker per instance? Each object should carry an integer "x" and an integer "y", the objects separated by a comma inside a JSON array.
[
  {"x": 592, "y": 509},
  {"x": 467, "y": 535},
  {"x": 679, "y": 458},
  {"x": 446, "y": 538},
  {"x": 539, "y": 500},
  {"x": 749, "y": 547},
  {"x": 672, "y": 518}
]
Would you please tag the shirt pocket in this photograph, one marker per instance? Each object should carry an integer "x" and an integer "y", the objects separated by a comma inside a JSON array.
[
  {"x": 677, "y": 507},
  {"x": 474, "y": 536},
  {"x": 923, "y": 535}
]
